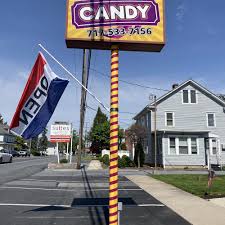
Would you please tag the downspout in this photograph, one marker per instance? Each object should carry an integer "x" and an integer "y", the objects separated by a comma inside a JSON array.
[{"x": 163, "y": 148}]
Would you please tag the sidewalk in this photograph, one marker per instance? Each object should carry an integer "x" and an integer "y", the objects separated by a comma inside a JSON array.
[{"x": 194, "y": 209}]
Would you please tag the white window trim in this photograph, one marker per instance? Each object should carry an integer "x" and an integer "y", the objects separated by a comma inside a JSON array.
[
  {"x": 189, "y": 96},
  {"x": 177, "y": 145},
  {"x": 207, "y": 119},
  {"x": 166, "y": 119}
]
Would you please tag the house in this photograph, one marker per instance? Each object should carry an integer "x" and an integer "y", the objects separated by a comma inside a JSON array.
[
  {"x": 190, "y": 127},
  {"x": 7, "y": 139},
  {"x": 51, "y": 150}
]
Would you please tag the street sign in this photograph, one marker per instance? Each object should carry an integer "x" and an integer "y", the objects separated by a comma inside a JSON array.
[
  {"x": 60, "y": 133},
  {"x": 133, "y": 25}
]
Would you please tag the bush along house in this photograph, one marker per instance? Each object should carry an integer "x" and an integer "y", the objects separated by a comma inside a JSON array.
[{"x": 190, "y": 128}]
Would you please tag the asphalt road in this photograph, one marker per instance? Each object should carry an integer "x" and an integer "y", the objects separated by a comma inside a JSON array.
[
  {"x": 23, "y": 167},
  {"x": 71, "y": 198}
]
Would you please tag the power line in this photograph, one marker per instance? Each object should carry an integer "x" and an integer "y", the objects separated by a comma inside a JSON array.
[
  {"x": 140, "y": 85},
  {"x": 120, "y": 112},
  {"x": 128, "y": 82}
]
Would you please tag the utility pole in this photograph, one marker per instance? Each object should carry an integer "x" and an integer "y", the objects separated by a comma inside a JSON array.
[
  {"x": 155, "y": 116},
  {"x": 71, "y": 144},
  {"x": 85, "y": 74}
]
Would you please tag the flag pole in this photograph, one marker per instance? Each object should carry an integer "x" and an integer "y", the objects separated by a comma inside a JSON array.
[
  {"x": 114, "y": 127},
  {"x": 64, "y": 68}
]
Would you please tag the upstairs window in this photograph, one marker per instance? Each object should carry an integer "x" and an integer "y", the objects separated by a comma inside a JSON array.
[
  {"x": 169, "y": 119},
  {"x": 193, "y": 97},
  {"x": 185, "y": 96},
  {"x": 211, "y": 122},
  {"x": 189, "y": 97}
]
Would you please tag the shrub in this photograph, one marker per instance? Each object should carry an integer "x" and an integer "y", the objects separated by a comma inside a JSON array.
[
  {"x": 35, "y": 153},
  {"x": 128, "y": 161},
  {"x": 63, "y": 161},
  {"x": 105, "y": 160},
  {"x": 121, "y": 163}
]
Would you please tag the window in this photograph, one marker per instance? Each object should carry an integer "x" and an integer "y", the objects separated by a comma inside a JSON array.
[
  {"x": 194, "y": 148},
  {"x": 193, "y": 97},
  {"x": 211, "y": 120},
  {"x": 172, "y": 146},
  {"x": 169, "y": 119},
  {"x": 183, "y": 146},
  {"x": 185, "y": 96},
  {"x": 223, "y": 147},
  {"x": 214, "y": 147},
  {"x": 189, "y": 97}
]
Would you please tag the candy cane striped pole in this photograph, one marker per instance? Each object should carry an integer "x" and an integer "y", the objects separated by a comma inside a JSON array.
[{"x": 113, "y": 169}]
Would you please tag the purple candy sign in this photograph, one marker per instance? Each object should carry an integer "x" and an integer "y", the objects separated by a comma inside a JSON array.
[
  {"x": 132, "y": 25},
  {"x": 110, "y": 13}
]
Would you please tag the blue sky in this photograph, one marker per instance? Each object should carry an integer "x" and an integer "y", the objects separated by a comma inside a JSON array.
[{"x": 195, "y": 49}]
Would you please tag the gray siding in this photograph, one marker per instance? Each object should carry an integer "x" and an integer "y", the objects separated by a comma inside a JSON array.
[
  {"x": 192, "y": 117},
  {"x": 184, "y": 160}
]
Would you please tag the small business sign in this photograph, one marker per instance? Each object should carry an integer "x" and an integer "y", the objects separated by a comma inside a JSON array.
[
  {"x": 134, "y": 25},
  {"x": 60, "y": 133}
]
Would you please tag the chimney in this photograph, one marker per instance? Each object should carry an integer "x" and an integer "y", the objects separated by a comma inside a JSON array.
[{"x": 174, "y": 86}]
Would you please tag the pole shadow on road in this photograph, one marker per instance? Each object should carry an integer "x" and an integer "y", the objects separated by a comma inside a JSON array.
[{"x": 98, "y": 210}]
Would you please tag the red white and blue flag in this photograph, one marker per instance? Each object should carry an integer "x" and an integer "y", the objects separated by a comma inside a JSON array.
[{"x": 39, "y": 100}]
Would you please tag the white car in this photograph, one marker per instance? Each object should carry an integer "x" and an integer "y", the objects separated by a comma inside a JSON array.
[{"x": 5, "y": 157}]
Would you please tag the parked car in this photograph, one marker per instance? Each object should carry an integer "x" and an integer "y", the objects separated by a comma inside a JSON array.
[
  {"x": 5, "y": 157},
  {"x": 13, "y": 153},
  {"x": 24, "y": 153}
]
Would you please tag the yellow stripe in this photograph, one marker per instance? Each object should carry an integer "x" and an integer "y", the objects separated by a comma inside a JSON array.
[
  {"x": 113, "y": 186},
  {"x": 114, "y": 170},
  {"x": 114, "y": 211},
  {"x": 113, "y": 202},
  {"x": 113, "y": 178}
]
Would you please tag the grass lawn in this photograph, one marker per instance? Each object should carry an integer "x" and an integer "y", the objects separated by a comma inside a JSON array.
[{"x": 196, "y": 184}]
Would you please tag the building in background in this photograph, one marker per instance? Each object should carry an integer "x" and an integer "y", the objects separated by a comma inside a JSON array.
[
  {"x": 7, "y": 139},
  {"x": 51, "y": 150},
  {"x": 190, "y": 127}
]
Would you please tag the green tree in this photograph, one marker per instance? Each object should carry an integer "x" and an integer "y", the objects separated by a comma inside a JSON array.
[
  {"x": 99, "y": 134},
  {"x": 43, "y": 141},
  {"x": 100, "y": 118},
  {"x": 34, "y": 144},
  {"x": 20, "y": 143},
  {"x": 139, "y": 157},
  {"x": 100, "y": 137}
]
